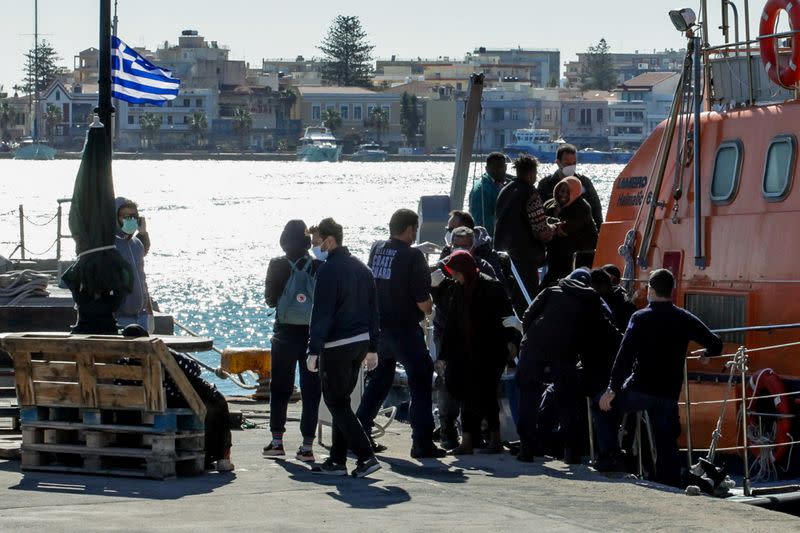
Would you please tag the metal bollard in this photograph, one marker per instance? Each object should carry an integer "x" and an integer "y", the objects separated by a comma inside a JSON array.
[
  {"x": 688, "y": 414},
  {"x": 742, "y": 360}
]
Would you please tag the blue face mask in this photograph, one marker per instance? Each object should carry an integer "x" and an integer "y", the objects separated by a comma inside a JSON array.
[
  {"x": 130, "y": 225},
  {"x": 319, "y": 254}
]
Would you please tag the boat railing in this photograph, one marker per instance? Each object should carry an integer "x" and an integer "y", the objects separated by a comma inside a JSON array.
[{"x": 737, "y": 364}]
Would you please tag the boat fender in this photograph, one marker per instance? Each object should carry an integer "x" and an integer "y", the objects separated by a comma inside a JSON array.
[
  {"x": 768, "y": 383},
  {"x": 785, "y": 76}
]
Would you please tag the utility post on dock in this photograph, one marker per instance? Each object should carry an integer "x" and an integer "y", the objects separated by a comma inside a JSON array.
[{"x": 21, "y": 231}]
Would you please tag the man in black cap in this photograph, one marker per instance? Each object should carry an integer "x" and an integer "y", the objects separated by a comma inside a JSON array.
[{"x": 648, "y": 375}]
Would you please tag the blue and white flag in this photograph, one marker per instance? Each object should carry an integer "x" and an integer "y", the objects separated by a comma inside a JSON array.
[{"x": 138, "y": 81}]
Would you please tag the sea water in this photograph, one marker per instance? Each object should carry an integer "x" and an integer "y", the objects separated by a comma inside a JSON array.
[{"x": 214, "y": 225}]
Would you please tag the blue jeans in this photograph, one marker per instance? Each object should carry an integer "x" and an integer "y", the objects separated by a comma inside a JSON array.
[
  {"x": 666, "y": 425},
  {"x": 406, "y": 346},
  {"x": 286, "y": 356}
]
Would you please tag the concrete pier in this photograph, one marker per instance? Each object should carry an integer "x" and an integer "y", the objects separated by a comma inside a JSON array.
[{"x": 476, "y": 493}]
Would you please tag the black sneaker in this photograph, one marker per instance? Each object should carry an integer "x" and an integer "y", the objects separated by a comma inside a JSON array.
[
  {"x": 525, "y": 454},
  {"x": 329, "y": 468},
  {"x": 367, "y": 467},
  {"x": 376, "y": 448},
  {"x": 571, "y": 457},
  {"x": 273, "y": 450},
  {"x": 427, "y": 451},
  {"x": 611, "y": 462}
]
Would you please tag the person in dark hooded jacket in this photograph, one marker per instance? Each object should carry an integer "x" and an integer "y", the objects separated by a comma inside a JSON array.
[
  {"x": 289, "y": 344},
  {"x": 476, "y": 347},
  {"x": 577, "y": 231},
  {"x": 557, "y": 328}
]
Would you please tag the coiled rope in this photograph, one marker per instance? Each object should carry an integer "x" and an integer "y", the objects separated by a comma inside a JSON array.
[{"x": 21, "y": 284}]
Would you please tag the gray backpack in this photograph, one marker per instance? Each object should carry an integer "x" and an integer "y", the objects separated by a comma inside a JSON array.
[{"x": 297, "y": 299}]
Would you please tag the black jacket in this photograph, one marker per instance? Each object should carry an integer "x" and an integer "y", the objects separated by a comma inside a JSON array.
[
  {"x": 278, "y": 273},
  {"x": 513, "y": 230},
  {"x": 345, "y": 302},
  {"x": 480, "y": 354},
  {"x": 653, "y": 350},
  {"x": 548, "y": 184},
  {"x": 621, "y": 307},
  {"x": 564, "y": 322}
]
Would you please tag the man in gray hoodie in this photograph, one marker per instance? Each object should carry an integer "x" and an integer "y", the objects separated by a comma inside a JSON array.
[{"x": 133, "y": 243}]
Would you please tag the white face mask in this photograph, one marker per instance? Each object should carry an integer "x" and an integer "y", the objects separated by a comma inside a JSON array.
[
  {"x": 448, "y": 237},
  {"x": 568, "y": 171},
  {"x": 319, "y": 254}
]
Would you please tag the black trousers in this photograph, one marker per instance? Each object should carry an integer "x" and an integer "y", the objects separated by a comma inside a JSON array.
[
  {"x": 566, "y": 395},
  {"x": 339, "y": 368},
  {"x": 286, "y": 356}
]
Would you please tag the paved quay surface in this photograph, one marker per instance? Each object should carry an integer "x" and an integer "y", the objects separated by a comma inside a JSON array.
[{"x": 476, "y": 493}]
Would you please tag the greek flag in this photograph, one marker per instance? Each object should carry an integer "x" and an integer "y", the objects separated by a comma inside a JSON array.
[{"x": 138, "y": 81}]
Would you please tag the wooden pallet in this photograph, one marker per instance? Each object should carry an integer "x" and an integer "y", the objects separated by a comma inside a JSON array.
[{"x": 97, "y": 405}]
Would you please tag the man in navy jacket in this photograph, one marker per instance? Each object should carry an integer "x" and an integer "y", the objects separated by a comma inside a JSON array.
[{"x": 343, "y": 336}]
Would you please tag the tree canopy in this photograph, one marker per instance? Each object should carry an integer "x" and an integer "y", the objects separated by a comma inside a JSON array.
[
  {"x": 409, "y": 116},
  {"x": 348, "y": 54},
  {"x": 41, "y": 68},
  {"x": 599, "y": 72}
]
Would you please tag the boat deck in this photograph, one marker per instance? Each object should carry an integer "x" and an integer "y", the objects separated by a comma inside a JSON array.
[{"x": 473, "y": 493}]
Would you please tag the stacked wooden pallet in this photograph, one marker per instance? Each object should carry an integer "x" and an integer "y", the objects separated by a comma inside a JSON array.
[
  {"x": 97, "y": 405},
  {"x": 10, "y": 437}
]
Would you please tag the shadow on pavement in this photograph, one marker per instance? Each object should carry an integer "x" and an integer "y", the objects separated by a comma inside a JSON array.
[
  {"x": 357, "y": 493},
  {"x": 430, "y": 469},
  {"x": 122, "y": 487}
]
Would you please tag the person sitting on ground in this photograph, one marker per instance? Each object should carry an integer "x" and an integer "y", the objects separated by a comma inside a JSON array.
[
  {"x": 577, "y": 231},
  {"x": 483, "y": 197},
  {"x": 478, "y": 341},
  {"x": 648, "y": 375},
  {"x": 556, "y": 327},
  {"x": 217, "y": 422},
  {"x": 289, "y": 289}
]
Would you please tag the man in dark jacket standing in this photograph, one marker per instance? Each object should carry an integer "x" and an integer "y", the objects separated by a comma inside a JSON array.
[
  {"x": 403, "y": 282},
  {"x": 648, "y": 375},
  {"x": 567, "y": 160},
  {"x": 290, "y": 342},
  {"x": 521, "y": 228},
  {"x": 555, "y": 327},
  {"x": 343, "y": 336}
]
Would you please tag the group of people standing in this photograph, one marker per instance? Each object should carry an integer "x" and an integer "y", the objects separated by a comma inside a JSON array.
[{"x": 578, "y": 335}]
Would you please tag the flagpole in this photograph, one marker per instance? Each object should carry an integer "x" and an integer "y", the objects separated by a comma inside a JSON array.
[{"x": 104, "y": 107}]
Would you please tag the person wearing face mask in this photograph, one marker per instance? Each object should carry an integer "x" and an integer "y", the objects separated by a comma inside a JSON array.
[
  {"x": 577, "y": 232},
  {"x": 316, "y": 244},
  {"x": 567, "y": 160},
  {"x": 476, "y": 346},
  {"x": 403, "y": 282},
  {"x": 648, "y": 375},
  {"x": 133, "y": 243},
  {"x": 290, "y": 339}
]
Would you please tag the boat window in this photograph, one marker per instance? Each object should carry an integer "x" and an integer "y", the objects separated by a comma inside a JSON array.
[
  {"x": 726, "y": 171},
  {"x": 779, "y": 167}
]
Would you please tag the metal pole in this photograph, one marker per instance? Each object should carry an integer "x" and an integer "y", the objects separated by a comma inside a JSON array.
[
  {"x": 689, "y": 451},
  {"x": 699, "y": 256},
  {"x": 35, "y": 76},
  {"x": 746, "y": 451},
  {"x": 58, "y": 241},
  {"x": 104, "y": 107},
  {"x": 472, "y": 111},
  {"x": 21, "y": 231},
  {"x": 750, "y": 93}
]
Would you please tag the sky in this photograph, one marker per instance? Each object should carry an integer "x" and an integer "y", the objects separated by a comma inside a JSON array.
[{"x": 256, "y": 29}]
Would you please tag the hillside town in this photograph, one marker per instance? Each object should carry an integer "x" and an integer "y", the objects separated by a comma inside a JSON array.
[{"x": 411, "y": 105}]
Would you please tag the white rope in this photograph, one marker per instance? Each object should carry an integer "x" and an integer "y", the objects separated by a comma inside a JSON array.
[
  {"x": 21, "y": 284},
  {"x": 93, "y": 250}
]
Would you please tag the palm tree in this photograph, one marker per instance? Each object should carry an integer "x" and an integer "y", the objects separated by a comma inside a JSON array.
[
  {"x": 379, "y": 120},
  {"x": 331, "y": 119},
  {"x": 198, "y": 125},
  {"x": 242, "y": 125},
  {"x": 6, "y": 113},
  {"x": 52, "y": 118},
  {"x": 150, "y": 123}
]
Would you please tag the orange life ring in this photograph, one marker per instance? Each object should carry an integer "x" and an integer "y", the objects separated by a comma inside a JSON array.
[
  {"x": 768, "y": 383},
  {"x": 785, "y": 76}
]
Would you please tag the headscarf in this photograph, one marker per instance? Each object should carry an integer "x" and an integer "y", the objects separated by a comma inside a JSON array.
[
  {"x": 462, "y": 261},
  {"x": 294, "y": 240},
  {"x": 575, "y": 188}
]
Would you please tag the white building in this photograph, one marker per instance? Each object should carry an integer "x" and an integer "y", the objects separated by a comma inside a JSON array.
[{"x": 642, "y": 104}]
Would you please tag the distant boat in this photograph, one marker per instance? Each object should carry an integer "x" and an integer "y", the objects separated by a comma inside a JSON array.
[
  {"x": 318, "y": 144},
  {"x": 35, "y": 151},
  {"x": 540, "y": 144},
  {"x": 370, "y": 152}
]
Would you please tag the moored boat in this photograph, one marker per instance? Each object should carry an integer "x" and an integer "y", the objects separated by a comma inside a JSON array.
[
  {"x": 369, "y": 152},
  {"x": 318, "y": 144}
]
